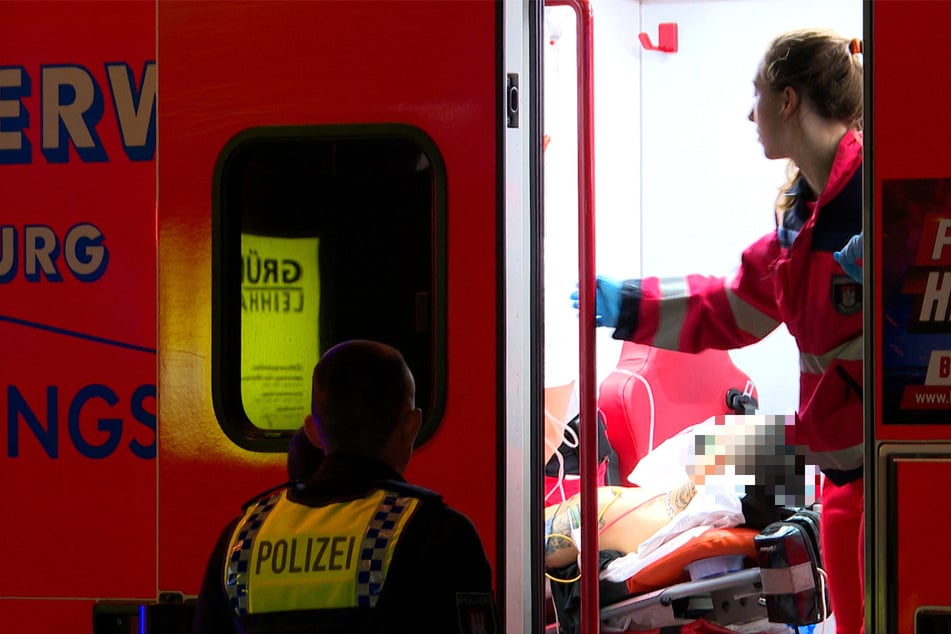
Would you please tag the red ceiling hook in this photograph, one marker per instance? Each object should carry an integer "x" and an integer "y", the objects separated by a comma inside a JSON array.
[{"x": 667, "y": 43}]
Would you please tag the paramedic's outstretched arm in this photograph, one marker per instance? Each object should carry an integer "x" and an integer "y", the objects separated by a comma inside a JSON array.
[
  {"x": 608, "y": 300},
  {"x": 691, "y": 313}
]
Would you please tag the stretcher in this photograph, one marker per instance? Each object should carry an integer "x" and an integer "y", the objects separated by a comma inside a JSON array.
[
  {"x": 734, "y": 578},
  {"x": 756, "y": 572}
]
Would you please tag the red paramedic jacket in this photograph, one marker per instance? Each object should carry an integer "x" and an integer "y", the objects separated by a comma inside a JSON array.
[{"x": 788, "y": 276}]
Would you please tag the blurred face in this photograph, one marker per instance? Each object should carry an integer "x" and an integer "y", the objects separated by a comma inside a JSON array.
[{"x": 768, "y": 113}]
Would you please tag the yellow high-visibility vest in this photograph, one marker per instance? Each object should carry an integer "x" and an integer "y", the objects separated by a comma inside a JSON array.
[{"x": 285, "y": 556}]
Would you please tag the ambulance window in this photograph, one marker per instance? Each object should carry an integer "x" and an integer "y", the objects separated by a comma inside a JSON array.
[{"x": 322, "y": 235}]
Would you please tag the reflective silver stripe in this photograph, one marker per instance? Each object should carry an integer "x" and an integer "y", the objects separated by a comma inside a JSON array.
[
  {"x": 841, "y": 459},
  {"x": 748, "y": 318},
  {"x": 852, "y": 350},
  {"x": 673, "y": 312},
  {"x": 376, "y": 542},
  {"x": 787, "y": 580},
  {"x": 675, "y": 294},
  {"x": 236, "y": 568}
]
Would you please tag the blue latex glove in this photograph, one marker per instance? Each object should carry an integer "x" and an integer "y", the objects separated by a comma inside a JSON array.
[
  {"x": 847, "y": 256},
  {"x": 607, "y": 302}
]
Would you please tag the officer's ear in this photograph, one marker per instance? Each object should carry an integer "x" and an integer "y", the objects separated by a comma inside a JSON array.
[
  {"x": 310, "y": 430},
  {"x": 410, "y": 425}
]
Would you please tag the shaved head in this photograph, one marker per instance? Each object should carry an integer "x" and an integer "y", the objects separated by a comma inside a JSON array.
[{"x": 361, "y": 389}]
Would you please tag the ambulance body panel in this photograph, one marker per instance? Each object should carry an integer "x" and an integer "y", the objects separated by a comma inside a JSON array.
[{"x": 117, "y": 464}]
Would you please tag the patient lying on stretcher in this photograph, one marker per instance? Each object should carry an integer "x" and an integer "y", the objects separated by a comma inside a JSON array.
[
  {"x": 626, "y": 517},
  {"x": 749, "y": 464}
]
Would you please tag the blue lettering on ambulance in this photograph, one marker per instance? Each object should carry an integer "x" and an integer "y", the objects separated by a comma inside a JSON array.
[
  {"x": 146, "y": 417},
  {"x": 85, "y": 254},
  {"x": 15, "y": 148},
  {"x": 8, "y": 253},
  {"x": 48, "y": 436},
  {"x": 72, "y": 105},
  {"x": 111, "y": 426},
  {"x": 40, "y": 250},
  {"x": 17, "y": 407},
  {"x": 83, "y": 250},
  {"x": 72, "y": 108},
  {"x": 135, "y": 109}
]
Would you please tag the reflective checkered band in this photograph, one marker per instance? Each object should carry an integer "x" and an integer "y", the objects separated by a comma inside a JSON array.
[
  {"x": 374, "y": 551},
  {"x": 236, "y": 569}
]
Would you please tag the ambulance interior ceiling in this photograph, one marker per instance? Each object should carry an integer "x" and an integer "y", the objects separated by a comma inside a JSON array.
[{"x": 681, "y": 183}]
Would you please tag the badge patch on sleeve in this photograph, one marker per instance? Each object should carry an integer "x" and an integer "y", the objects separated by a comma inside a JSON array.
[
  {"x": 846, "y": 295},
  {"x": 476, "y": 612}
]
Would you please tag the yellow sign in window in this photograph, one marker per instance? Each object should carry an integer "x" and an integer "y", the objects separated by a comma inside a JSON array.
[{"x": 280, "y": 309}]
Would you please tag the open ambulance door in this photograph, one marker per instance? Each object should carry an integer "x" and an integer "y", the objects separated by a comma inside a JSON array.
[
  {"x": 521, "y": 594},
  {"x": 338, "y": 162}
]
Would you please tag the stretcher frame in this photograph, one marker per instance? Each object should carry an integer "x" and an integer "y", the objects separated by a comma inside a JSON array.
[{"x": 735, "y": 599}]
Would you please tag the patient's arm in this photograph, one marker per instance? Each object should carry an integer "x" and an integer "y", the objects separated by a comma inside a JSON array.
[{"x": 626, "y": 517}]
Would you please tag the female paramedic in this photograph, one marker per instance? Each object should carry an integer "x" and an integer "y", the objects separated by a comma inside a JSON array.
[{"x": 808, "y": 109}]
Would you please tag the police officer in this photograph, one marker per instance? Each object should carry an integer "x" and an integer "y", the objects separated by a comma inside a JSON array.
[{"x": 354, "y": 547}]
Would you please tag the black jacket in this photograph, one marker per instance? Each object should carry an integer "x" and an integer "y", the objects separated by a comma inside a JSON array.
[{"x": 439, "y": 580}]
